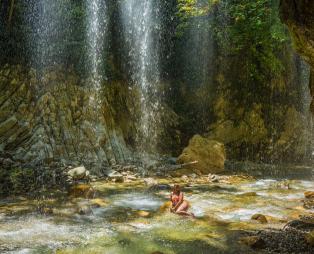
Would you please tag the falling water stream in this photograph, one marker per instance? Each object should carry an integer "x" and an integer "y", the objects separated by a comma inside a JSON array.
[
  {"x": 47, "y": 27},
  {"x": 96, "y": 31},
  {"x": 140, "y": 25}
]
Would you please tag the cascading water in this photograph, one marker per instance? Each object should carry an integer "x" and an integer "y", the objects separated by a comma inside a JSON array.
[
  {"x": 141, "y": 25},
  {"x": 96, "y": 30},
  {"x": 47, "y": 32}
]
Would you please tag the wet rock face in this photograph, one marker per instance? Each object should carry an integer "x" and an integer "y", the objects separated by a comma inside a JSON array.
[
  {"x": 298, "y": 15},
  {"x": 209, "y": 154},
  {"x": 54, "y": 118}
]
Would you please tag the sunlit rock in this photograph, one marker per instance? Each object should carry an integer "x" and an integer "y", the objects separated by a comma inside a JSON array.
[
  {"x": 165, "y": 207},
  {"x": 143, "y": 214},
  {"x": 79, "y": 173},
  {"x": 150, "y": 181},
  {"x": 98, "y": 202},
  {"x": 260, "y": 218},
  {"x": 309, "y": 194},
  {"x": 114, "y": 176},
  {"x": 209, "y": 154}
]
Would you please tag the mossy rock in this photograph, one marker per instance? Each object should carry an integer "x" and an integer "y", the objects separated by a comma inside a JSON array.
[{"x": 209, "y": 154}]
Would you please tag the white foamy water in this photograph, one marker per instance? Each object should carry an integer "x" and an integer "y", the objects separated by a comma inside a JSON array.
[
  {"x": 28, "y": 233},
  {"x": 141, "y": 24},
  {"x": 137, "y": 201}
]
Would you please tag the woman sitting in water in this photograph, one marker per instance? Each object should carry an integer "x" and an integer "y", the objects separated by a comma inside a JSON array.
[{"x": 179, "y": 205}]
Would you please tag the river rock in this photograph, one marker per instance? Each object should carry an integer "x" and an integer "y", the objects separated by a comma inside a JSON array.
[
  {"x": 309, "y": 219},
  {"x": 114, "y": 176},
  {"x": 79, "y": 173},
  {"x": 309, "y": 194},
  {"x": 308, "y": 203},
  {"x": 150, "y": 181},
  {"x": 260, "y": 218},
  {"x": 209, "y": 154},
  {"x": 213, "y": 178},
  {"x": 144, "y": 214},
  {"x": 165, "y": 207}
]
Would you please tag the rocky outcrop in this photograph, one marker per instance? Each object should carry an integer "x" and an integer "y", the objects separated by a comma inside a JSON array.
[
  {"x": 209, "y": 154},
  {"x": 298, "y": 15},
  {"x": 53, "y": 117}
]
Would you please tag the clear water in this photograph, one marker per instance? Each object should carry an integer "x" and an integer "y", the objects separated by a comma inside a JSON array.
[{"x": 221, "y": 210}]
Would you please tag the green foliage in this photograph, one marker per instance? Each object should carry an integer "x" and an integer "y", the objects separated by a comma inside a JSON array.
[
  {"x": 22, "y": 180},
  {"x": 254, "y": 29},
  {"x": 17, "y": 181}
]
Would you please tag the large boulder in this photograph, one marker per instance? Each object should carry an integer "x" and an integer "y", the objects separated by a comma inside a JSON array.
[{"x": 209, "y": 154}]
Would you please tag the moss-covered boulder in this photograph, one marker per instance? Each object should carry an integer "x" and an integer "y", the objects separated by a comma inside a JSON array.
[{"x": 209, "y": 154}]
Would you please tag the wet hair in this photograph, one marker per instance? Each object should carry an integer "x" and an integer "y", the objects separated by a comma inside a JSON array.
[{"x": 176, "y": 189}]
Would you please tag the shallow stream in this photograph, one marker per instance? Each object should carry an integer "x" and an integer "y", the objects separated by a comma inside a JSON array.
[{"x": 130, "y": 219}]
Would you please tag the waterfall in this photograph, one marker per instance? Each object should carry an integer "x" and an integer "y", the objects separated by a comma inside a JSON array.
[
  {"x": 48, "y": 30},
  {"x": 140, "y": 26},
  {"x": 97, "y": 26}
]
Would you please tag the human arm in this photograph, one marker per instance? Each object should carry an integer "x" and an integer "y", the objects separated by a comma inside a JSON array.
[{"x": 179, "y": 202}]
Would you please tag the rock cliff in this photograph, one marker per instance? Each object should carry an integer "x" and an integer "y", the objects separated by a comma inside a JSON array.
[
  {"x": 53, "y": 118},
  {"x": 298, "y": 16}
]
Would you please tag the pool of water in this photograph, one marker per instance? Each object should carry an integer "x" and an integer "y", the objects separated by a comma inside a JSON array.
[{"x": 133, "y": 220}]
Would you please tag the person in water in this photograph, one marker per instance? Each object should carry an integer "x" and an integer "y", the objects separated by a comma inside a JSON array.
[{"x": 179, "y": 205}]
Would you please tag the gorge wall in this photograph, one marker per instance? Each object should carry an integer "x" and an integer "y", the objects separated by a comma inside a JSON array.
[{"x": 298, "y": 15}]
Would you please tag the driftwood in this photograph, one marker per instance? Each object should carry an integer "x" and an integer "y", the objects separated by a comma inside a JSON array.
[{"x": 176, "y": 167}]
